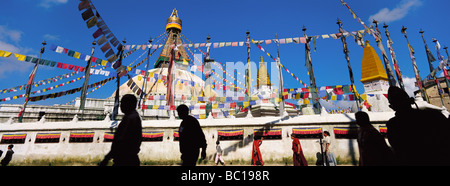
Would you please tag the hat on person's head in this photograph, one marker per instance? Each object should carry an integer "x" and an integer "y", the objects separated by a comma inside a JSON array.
[{"x": 396, "y": 93}]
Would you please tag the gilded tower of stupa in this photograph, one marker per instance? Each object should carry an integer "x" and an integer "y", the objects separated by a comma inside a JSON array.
[
  {"x": 173, "y": 29},
  {"x": 374, "y": 79}
]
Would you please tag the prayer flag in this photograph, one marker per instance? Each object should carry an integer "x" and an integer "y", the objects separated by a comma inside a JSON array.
[
  {"x": 87, "y": 14},
  {"x": 20, "y": 57},
  {"x": 303, "y": 40},
  {"x": 77, "y": 55},
  {"x": 92, "y": 22}
]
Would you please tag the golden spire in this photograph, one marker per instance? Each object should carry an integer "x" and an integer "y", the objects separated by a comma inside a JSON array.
[
  {"x": 173, "y": 29},
  {"x": 263, "y": 75},
  {"x": 371, "y": 67},
  {"x": 174, "y": 21}
]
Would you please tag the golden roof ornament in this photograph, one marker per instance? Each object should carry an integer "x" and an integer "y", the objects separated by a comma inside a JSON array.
[
  {"x": 174, "y": 22},
  {"x": 372, "y": 67}
]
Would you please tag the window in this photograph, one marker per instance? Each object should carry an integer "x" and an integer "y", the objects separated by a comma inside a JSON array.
[
  {"x": 307, "y": 133},
  {"x": 346, "y": 132},
  {"x": 268, "y": 134},
  {"x": 13, "y": 138},
  {"x": 383, "y": 131},
  {"x": 153, "y": 136},
  {"x": 108, "y": 137},
  {"x": 47, "y": 137},
  {"x": 176, "y": 136},
  {"x": 230, "y": 134},
  {"x": 81, "y": 137}
]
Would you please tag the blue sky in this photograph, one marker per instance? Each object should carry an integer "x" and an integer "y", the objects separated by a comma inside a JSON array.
[{"x": 24, "y": 24}]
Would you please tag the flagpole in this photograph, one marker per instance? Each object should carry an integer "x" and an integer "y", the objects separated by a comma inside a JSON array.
[
  {"x": 441, "y": 60},
  {"x": 87, "y": 73},
  {"x": 117, "y": 96},
  {"x": 30, "y": 82},
  {"x": 144, "y": 84},
  {"x": 169, "y": 94},
  {"x": 398, "y": 72},
  {"x": 308, "y": 63},
  {"x": 350, "y": 71},
  {"x": 280, "y": 78},
  {"x": 416, "y": 69},
  {"x": 248, "y": 74},
  {"x": 431, "y": 58},
  {"x": 390, "y": 74}
]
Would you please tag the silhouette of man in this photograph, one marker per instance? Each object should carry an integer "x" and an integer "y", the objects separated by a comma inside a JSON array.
[
  {"x": 128, "y": 136},
  {"x": 373, "y": 150},
  {"x": 417, "y": 136},
  {"x": 191, "y": 138},
  {"x": 5, "y": 161}
]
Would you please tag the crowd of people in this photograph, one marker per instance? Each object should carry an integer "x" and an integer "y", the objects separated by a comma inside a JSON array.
[{"x": 416, "y": 137}]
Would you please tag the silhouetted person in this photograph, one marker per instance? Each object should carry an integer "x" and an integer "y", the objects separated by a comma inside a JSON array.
[
  {"x": 373, "y": 150},
  {"x": 417, "y": 137},
  {"x": 5, "y": 161},
  {"x": 191, "y": 138},
  {"x": 128, "y": 136},
  {"x": 298, "y": 157}
]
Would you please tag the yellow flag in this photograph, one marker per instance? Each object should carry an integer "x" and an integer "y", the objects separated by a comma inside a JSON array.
[
  {"x": 20, "y": 57},
  {"x": 2, "y": 53},
  {"x": 202, "y": 116},
  {"x": 7, "y": 54},
  {"x": 104, "y": 62},
  {"x": 334, "y": 97},
  {"x": 306, "y": 101},
  {"x": 139, "y": 78},
  {"x": 215, "y": 106},
  {"x": 77, "y": 55},
  {"x": 246, "y": 104},
  {"x": 155, "y": 107},
  {"x": 364, "y": 96}
]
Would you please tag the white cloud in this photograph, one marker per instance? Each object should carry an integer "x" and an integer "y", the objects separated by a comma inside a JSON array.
[
  {"x": 410, "y": 86},
  {"x": 50, "y": 3},
  {"x": 399, "y": 12},
  {"x": 6, "y": 33},
  {"x": 10, "y": 64},
  {"x": 50, "y": 37}
]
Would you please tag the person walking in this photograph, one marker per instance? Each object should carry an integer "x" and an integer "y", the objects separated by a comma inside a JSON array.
[
  {"x": 219, "y": 154},
  {"x": 191, "y": 138},
  {"x": 128, "y": 136},
  {"x": 298, "y": 157},
  {"x": 330, "y": 159},
  {"x": 373, "y": 150},
  {"x": 417, "y": 137},
  {"x": 256, "y": 153},
  {"x": 5, "y": 161}
]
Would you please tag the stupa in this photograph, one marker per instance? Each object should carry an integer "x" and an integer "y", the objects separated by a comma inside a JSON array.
[
  {"x": 185, "y": 83},
  {"x": 264, "y": 90},
  {"x": 375, "y": 80}
]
